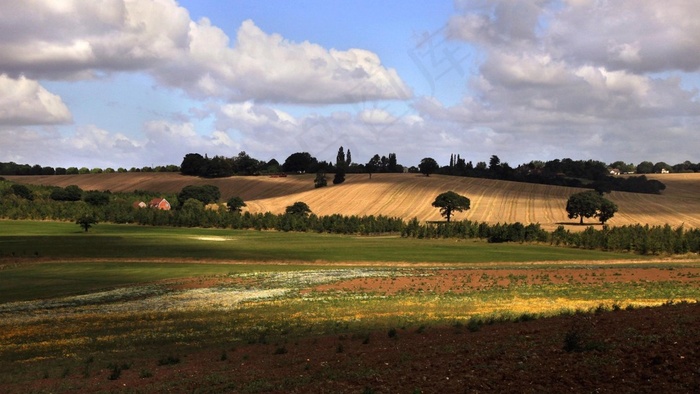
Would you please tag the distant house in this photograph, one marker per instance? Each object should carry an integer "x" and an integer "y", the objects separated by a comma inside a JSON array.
[
  {"x": 664, "y": 171},
  {"x": 614, "y": 171},
  {"x": 159, "y": 203},
  {"x": 139, "y": 204}
]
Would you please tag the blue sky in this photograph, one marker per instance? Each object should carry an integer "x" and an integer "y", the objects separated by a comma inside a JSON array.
[{"x": 124, "y": 83}]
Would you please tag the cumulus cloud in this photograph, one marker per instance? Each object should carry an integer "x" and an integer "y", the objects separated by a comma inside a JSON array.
[
  {"x": 266, "y": 67},
  {"x": 24, "y": 102},
  {"x": 75, "y": 39},
  {"x": 633, "y": 35},
  {"x": 502, "y": 23},
  {"x": 581, "y": 78}
]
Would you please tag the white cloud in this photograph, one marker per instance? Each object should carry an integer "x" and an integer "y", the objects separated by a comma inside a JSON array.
[
  {"x": 45, "y": 39},
  {"x": 587, "y": 79},
  {"x": 377, "y": 116},
  {"x": 78, "y": 39},
  {"x": 498, "y": 23},
  {"x": 248, "y": 114},
  {"x": 634, "y": 35},
  {"x": 25, "y": 102},
  {"x": 168, "y": 142},
  {"x": 266, "y": 67}
]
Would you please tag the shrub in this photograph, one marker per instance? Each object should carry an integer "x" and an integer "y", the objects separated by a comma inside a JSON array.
[
  {"x": 169, "y": 360},
  {"x": 281, "y": 350},
  {"x": 116, "y": 373}
]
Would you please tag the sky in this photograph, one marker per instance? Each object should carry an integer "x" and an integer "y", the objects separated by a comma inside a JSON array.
[{"x": 133, "y": 83}]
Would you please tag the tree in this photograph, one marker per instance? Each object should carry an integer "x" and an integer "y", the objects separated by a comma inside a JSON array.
[
  {"x": 193, "y": 164},
  {"x": 298, "y": 208},
  {"x": 86, "y": 222},
  {"x": 373, "y": 165},
  {"x": 590, "y": 204},
  {"x": 494, "y": 162},
  {"x": 235, "y": 204},
  {"x": 320, "y": 180},
  {"x": 450, "y": 202},
  {"x": 299, "y": 162},
  {"x": 645, "y": 167},
  {"x": 393, "y": 166},
  {"x": 339, "y": 167},
  {"x": 583, "y": 205},
  {"x": 207, "y": 194},
  {"x": 217, "y": 167},
  {"x": 428, "y": 166},
  {"x": 70, "y": 193},
  {"x": 96, "y": 198},
  {"x": 272, "y": 166},
  {"x": 246, "y": 165},
  {"x": 339, "y": 176},
  {"x": 22, "y": 191},
  {"x": 607, "y": 210}
]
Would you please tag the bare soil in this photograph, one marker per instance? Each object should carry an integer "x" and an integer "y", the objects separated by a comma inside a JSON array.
[
  {"x": 650, "y": 350},
  {"x": 458, "y": 281}
]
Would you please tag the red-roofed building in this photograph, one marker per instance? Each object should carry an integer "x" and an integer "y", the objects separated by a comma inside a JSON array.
[{"x": 159, "y": 203}]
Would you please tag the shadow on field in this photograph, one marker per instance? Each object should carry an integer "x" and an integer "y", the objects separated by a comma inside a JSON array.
[{"x": 577, "y": 224}]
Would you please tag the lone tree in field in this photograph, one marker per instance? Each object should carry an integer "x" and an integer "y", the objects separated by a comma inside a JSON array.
[
  {"x": 235, "y": 204},
  {"x": 590, "y": 204},
  {"x": 450, "y": 202},
  {"x": 86, "y": 222},
  {"x": 428, "y": 166},
  {"x": 298, "y": 208}
]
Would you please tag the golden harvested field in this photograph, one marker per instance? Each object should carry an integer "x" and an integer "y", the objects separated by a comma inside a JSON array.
[{"x": 411, "y": 195}]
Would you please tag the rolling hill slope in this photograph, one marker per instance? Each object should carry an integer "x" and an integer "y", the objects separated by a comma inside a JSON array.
[{"x": 411, "y": 195}]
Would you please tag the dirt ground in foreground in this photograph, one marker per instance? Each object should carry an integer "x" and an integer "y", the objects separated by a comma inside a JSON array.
[
  {"x": 638, "y": 350},
  {"x": 642, "y": 350},
  {"x": 457, "y": 281}
]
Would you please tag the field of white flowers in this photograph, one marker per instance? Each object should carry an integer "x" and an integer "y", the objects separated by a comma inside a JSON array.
[{"x": 160, "y": 298}]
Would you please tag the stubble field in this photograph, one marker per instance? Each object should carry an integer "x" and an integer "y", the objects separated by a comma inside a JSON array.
[{"x": 410, "y": 195}]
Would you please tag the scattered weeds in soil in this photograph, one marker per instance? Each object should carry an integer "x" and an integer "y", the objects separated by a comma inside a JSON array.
[{"x": 293, "y": 307}]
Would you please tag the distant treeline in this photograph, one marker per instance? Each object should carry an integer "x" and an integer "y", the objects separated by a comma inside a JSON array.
[
  {"x": 566, "y": 172},
  {"x": 12, "y": 168},
  {"x": 50, "y": 203},
  {"x": 300, "y": 162},
  {"x": 573, "y": 173}
]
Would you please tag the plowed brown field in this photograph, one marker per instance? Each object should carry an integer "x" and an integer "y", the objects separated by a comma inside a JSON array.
[{"x": 411, "y": 195}]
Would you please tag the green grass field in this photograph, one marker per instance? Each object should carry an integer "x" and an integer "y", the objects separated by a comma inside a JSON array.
[
  {"x": 67, "y": 241},
  {"x": 108, "y": 254}
]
